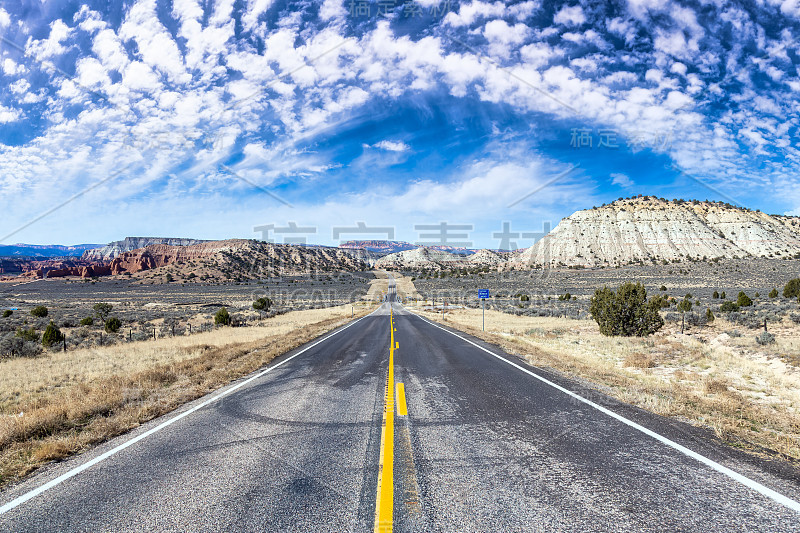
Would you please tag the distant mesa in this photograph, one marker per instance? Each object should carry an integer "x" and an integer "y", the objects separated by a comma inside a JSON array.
[{"x": 128, "y": 244}]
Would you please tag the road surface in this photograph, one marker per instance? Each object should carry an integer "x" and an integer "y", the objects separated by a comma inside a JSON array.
[{"x": 462, "y": 441}]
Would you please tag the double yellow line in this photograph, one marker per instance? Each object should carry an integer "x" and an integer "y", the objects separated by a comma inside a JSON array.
[{"x": 384, "y": 503}]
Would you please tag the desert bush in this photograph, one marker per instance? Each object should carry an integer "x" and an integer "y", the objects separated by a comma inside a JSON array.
[
  {"x": 626, "y": 312},
  {"x": 564, "y": 297},
  {"x": 39, "y": 311},
  {"x": 639, "y": 360},
  {"x": 102, "y": 310},
  {"x": 13, "y": 346},
  {"x": 29, "y": 335},
  {"x": 7, "y": 313},
  {"x": 715, "y": 295},
  {"x": 52, "y": 335},
  {"x": 773, "y": 293},
  {"x": 113, "y": 324},
  {"x": 684, "y": 306},
  {"x": 262, "y": 305},
  {"x": 764, "y": 338},
  {"x": 710, "y": 316},
  {"x": 663, "y": 288},
  {"x": 728, "y": 307},
  {"x": 222, "y": 318},
  {"x": 696, "y": 319},
  {"x": 722, "y": 295},
  {"x": 88, "y": 321},
  {"x": 792, "y": 288},
  {"x": 734, "y": 333},
  {"x": 743, "y": 300}
]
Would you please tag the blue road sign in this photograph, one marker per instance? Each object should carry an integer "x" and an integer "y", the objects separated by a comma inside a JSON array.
[{"x": 483, "y": 293}]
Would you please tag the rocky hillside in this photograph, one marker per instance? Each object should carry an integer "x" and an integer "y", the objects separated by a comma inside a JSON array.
[
  {"x": 437, "y": 260},
  {"x": 649, "y": 229},
  {"x": 113, "y": 249},
  {"x": 232, "y": 259}
]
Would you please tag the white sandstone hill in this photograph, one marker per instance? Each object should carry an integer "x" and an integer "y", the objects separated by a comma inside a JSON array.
[
  {"x": 437, "y": 260},
  {"x": 650, "y": 229}
]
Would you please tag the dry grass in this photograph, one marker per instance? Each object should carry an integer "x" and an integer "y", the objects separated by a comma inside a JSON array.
[
  {"x": 748, "y": 394},
  {"x": 62, "y": 403}
]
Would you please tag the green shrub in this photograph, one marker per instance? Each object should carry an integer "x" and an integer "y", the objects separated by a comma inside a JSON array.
[
  {"x": 626, "y": 312},
  {"x": 102, "y": 310},
  {"x": 728, "y": 307},
  {"x": 773, "y": 293},
  {"x": 39, "y": 311},
  {"x": 52, "y": 335},
  {"x": 262, "y": 305},
  {"x": 524, "y": 298},
  {"x": 743, "y": 300},
  {"x": 663, "y": 288},
  {"x": 792, "y": 288},
  {"x": 684, "y": 306},
  {"x": 27, "y": 334},
  {"x": 113, "y": 324},
  {"x": 715, "y": 295},
  {"x": 722, "y": 295},
  {"x": 7, "y": 313},
  {"x": 222, "y": 318},
  {"x": 565, "y": 297},
  {"x": 709, "y": 316},
  {"x": 88, "y": 321}
]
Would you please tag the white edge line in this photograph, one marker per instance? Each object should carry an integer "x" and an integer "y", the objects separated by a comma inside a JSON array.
[
  {"x": 756, "y": 486},
  {"x": 77, "y": 470}
]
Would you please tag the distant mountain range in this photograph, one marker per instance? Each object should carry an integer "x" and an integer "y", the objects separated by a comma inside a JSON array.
[
  {"x": 630, "y": 230},
  {"x": 392, "y": 247},
  {"x": 44, "y": 250}
]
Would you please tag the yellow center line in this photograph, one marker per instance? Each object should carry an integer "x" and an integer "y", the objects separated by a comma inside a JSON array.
[
  {"x": 384, "y": 503},
  {"x": 402, "y": 410}
]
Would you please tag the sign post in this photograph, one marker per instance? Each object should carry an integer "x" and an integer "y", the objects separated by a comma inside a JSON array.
[{"x": 483, "y": 294}]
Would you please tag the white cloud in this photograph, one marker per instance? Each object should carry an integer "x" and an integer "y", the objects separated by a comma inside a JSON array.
[
  {"x": 8, "y": 114},
  {"x": 332, "y": 10},
  {"x": 5, "y": 20},
  {"x": 570, "y": 16},
  {"x": 391, "y": 146},
  {"x": 52, "y": 46},
  {"x": 469, "y": 13},
  {"x": 621, "y": 179},
  {"x": 255, "y": 8}
]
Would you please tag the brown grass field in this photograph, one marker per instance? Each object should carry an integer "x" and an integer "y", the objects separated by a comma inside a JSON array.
[
  {"x": 748, "y": 394},
  {"x": 60, "y": 404}
]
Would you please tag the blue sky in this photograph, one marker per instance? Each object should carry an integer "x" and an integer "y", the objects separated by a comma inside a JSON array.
[{"x": 207, "y": 119}]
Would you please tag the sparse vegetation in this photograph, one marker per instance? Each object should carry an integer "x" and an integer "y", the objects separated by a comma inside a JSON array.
[
  {"x": 626, "y": 312},
  {"x": 52, "y": 335},
  {"x": 7, "y": 313},
  {"x": 765, "y": 337},
  {"x": 728, "y": 307},
  {"x": 222, "y": 318},
  {"x": 742, "y": 300},
  {"x": 39, "y": 311},
  {"x": 792, "y": 288},
  {"x": 113, "y": 324},
  {"x": 102, "y": 310}
]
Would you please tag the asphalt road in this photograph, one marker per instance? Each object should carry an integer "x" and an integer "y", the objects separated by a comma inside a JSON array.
[{"x": 485, "y": 446}]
